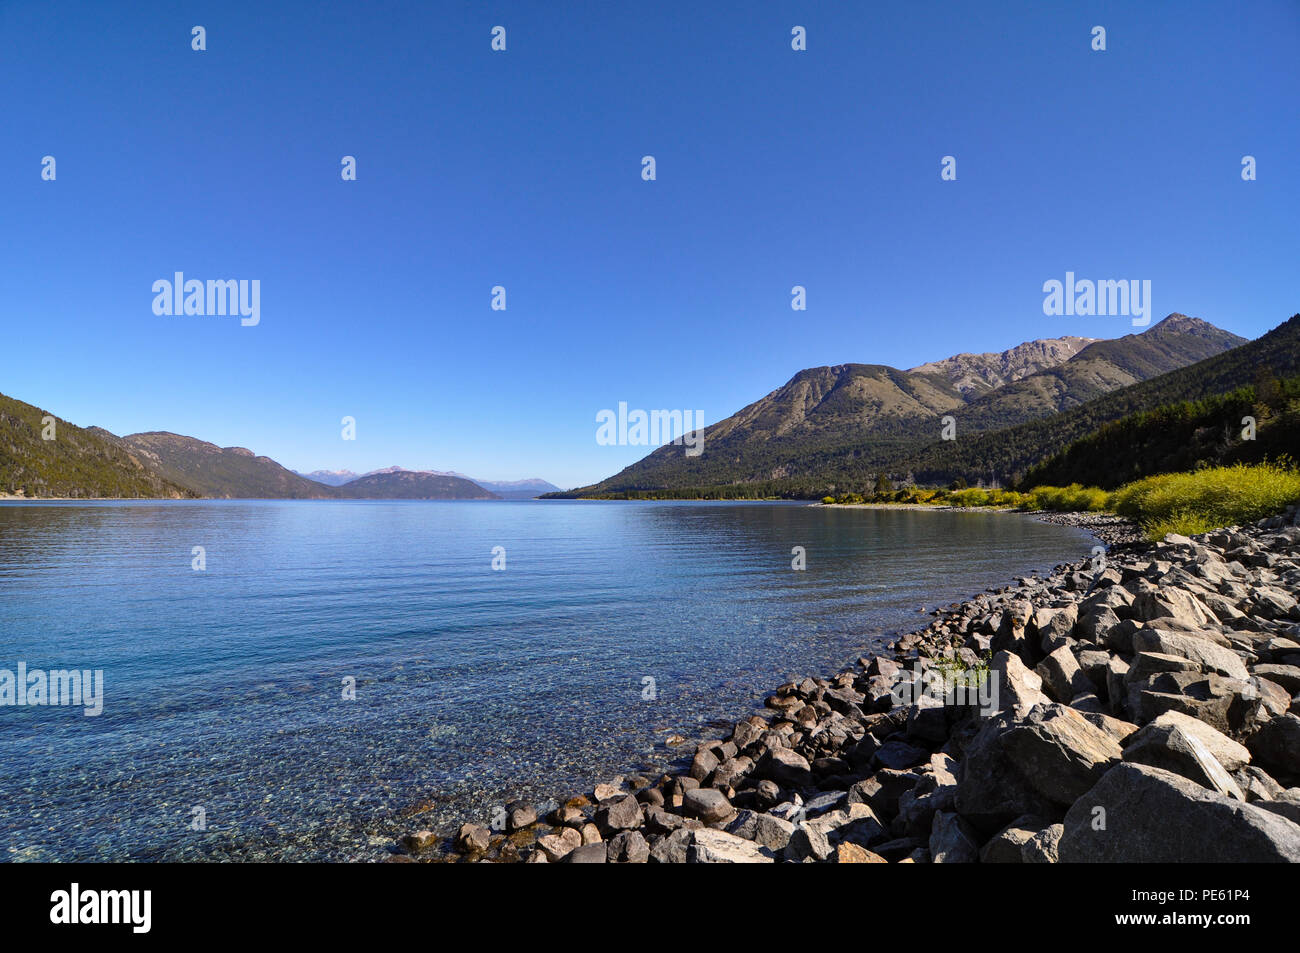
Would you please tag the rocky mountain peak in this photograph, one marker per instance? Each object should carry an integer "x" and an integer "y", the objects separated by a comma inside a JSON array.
[{"x": 975, "y": 373}]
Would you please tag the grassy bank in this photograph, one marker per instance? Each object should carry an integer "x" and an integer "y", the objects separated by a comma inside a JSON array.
[{"x": 1186, "y": 503}]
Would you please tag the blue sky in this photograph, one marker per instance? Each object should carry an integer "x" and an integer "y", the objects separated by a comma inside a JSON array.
[{"x": 523, "y": 169}]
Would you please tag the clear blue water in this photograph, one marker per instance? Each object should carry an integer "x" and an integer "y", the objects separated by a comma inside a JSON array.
[{"x": 223, "y": 688}]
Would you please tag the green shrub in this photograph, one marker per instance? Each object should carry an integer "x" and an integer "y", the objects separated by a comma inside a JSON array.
[
  {"x": 1067, "y": 499},
  {"x": 1008, "y": 498},
  {"x": 972, "y": 496},
  {"x": 1207, "y": 499}
]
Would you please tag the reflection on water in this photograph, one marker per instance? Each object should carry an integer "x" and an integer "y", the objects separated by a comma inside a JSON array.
[{"x": 224, "y": 688}]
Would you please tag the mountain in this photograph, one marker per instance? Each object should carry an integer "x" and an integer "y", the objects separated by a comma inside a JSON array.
[
  {"x": 512, "y": 490},
  {"x": 831, "y": 426},
  {"x": 977, "y": 373},
  {"x": 519, "y": 489},
  {"x": 233, "y": 472},
  {"x": 395, "y": 469},
  {"x": 224, "y": 472},
  {"x": 1007, "y": 455},
  {"x": 93, "y": 463},
  {"x": 76, "y": 463},
  {"x": 330, "y": 477},
  {"x": 340, "y": 477},
  {"x": 413, "y": 485},
  {"x": 1104, "y": 366}
]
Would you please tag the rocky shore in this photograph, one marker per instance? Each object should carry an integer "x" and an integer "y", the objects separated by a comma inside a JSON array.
[
  {"x": 1110, "y": 529},
  {"x": 1140, "y": 706}
]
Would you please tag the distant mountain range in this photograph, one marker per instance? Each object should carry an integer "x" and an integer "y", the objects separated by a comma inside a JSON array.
[
  {"x": 519, "y": 489},
  {"x": 413, "y": 485},
  {"x": 92, "y": 463},
  {"x": 331, "y": 477},
  {"x": 236, "y": 473},
  {"x": 834, "y": 429},
  {"x": 513, "y": 490}
]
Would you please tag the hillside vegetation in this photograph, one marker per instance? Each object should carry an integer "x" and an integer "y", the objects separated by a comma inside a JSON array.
[
  {"x": 212, "y": 471},
  {"x": 1184, "y": 436},
  {"x": 77, "y": 463}
]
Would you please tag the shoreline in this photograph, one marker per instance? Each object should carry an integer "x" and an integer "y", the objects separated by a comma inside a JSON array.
[
  {"x": 1110, "y": 529},
  {"x": 1162, "y": 676}
]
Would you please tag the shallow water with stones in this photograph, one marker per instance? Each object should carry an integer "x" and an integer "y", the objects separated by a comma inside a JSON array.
[{"x": 224, "y": 687}]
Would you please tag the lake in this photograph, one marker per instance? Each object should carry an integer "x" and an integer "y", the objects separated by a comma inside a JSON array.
[{"x": 225, "y": 731}]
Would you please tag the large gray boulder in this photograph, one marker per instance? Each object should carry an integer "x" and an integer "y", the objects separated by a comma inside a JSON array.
[
  {"x": 520, "y": 814},
  {"x": 809, "y": 842},
  {"x": 1227, "y": 752},
  {"x": 1171, "y": 603},
  {"x": 1141, "y": 814},
  {"x": 1223, "y": 703},
  {"x": 1211, "y": 657},
  {"x": 622, "y": 814},
  {"x": 1095, "y": 623},
  {"x": 1147, "y": 664},
  {"x": 673, "y": 849},
  {"x": 704, "y": 764},
  {"x": 1056, "y": 626},
  {"x": 1062, "y": 676},
  {"x": 586, "y": 854},
  {"x": 628, "y": 847},
  {"x": 1276, "y": 746},
  {"x": 1115, "y": 727},
  {"x": 953, "y": 840},
  {"x": 1288, "y": 676},
  {"x": 1258, "y": 784},
  {"x": 1018, "y": 687},
  {"x": 1005, "y": 846},
  {"x": 785, "y": 766},
  {"x": 1170, "y": 747},
  {"x": 559, "y": 845},
  {"x": 708, "y": 804},
  {"x": 993, "y": 791},
  {"x": 473, "y": 839},
  {"x": 766, "y": 830},
  {"x": 1044, "y": 847},
  {"x": 718, "y": 847},
  {"x": 1060, "y": 752},
  {"x": 1287, "y": 805}
]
